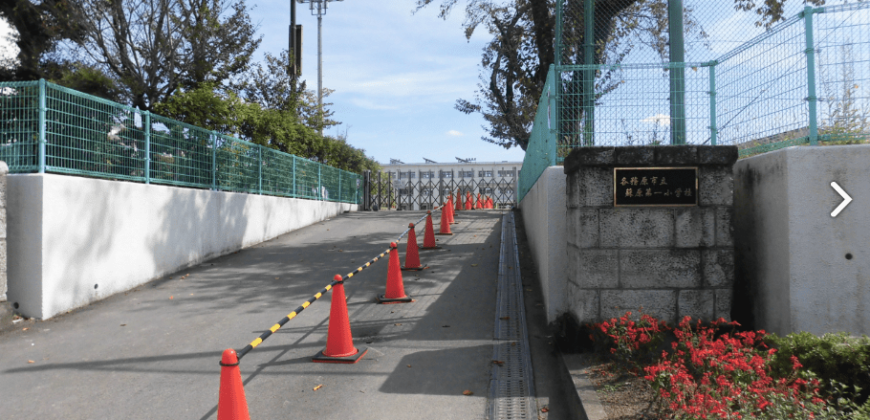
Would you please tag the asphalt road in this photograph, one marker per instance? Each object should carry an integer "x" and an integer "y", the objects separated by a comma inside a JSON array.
[{"x": 153, "y": 353}]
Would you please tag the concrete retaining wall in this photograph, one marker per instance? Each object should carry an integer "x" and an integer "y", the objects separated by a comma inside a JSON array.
[
  {"x": 798, "y": 268},
  {"x": 76, "y": 240},
  {"x": 543, "y": 210}
]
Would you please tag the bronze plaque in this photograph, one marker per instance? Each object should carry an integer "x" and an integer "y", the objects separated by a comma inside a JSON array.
[{"x": 649, "y": 187}]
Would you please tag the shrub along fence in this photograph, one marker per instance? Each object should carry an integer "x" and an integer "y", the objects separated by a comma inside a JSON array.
[{"x": 47, "y": 128}]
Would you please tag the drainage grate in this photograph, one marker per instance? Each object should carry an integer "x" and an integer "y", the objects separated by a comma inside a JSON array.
[{"x": 512, "y": 387}]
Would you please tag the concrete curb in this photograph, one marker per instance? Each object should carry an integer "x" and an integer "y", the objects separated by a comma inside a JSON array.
[{"x": 583, "y": 401}]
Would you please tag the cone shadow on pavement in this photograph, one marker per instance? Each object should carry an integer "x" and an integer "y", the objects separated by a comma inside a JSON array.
[{"x": 339, "y": 340}]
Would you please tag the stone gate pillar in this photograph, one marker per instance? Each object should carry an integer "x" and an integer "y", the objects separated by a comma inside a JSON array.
[{"x": 650, "y": 227}]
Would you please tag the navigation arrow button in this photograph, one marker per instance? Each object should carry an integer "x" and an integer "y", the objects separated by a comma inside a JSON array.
[{"x": 846, "y": 199}]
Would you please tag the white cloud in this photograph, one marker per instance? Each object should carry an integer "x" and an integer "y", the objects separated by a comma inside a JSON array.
[
  {"x": 367, "y": 104},
  {"x": 455, "y": 133},
  {"x": 659, "y": 119}
]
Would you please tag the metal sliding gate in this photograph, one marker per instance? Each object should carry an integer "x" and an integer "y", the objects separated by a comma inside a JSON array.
[{"x": 382, "y": 191}]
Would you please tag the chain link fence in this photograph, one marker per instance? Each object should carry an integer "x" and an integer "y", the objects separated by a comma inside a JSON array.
[
  {"x": 49, "y": 128},
  {"x": 803, "y": 80}
]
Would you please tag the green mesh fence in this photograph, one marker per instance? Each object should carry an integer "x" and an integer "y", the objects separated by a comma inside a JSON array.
[
  {"x": 541, "y": 150},
  {"x": 802, "y": 81},
  {"x": 49, "y": 128},
  {"x": 19, "y": 125}
]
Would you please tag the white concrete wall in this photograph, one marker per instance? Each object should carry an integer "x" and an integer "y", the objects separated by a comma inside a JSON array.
[
  {"x": 792, "y": 270},
  {"x": 544, "y": 217},
  {"x": 68, "y": 234}
]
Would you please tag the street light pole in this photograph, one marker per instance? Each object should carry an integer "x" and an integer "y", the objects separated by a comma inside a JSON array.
[{"x": 318, "y": 8}]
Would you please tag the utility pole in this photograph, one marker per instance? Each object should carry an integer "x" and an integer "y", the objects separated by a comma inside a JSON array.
[{"x": 318, "y": 8}]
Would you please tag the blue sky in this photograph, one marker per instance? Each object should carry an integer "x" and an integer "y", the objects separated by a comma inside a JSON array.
[{"x": 396, "y": 76}]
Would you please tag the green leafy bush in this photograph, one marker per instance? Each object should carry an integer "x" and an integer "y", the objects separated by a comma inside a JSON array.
[{"x": 840, "y": 358}]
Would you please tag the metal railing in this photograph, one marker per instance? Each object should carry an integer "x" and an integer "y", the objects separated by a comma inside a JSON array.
[
  {"x": 48, "y": 128},
  {"x": 803, "y": 81}
]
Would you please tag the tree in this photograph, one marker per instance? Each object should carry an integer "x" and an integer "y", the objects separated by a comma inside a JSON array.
[
  {"x": 516, "y": 61},
  {"x": 153, "y": 47},
  {"x": 272, "y": 87},
  {"x": 40, "y": 26}
]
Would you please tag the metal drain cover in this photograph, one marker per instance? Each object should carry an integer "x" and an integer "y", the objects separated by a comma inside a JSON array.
[{"x": 512, "y": 386}]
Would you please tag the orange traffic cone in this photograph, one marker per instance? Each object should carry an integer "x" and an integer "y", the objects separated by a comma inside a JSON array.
[
  {"x": 445, "y": 224},
  {"x": 339, "y": 341},
  {"x": 450, "y": 219},
  {"x": 488, "y": 203},
  {"x": 468, "y": 200},
  {"x": 458, "y": 201},
  {"x": 412, "y": 256},
  {"x": 429, "y": 235},
  {"x": 395, "y": 288},
  {"x": 231, "y": 398},
  {"x": 477, "y": 204}
]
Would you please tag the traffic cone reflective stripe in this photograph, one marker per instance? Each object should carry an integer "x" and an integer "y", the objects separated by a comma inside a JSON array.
[
  {"x": 429, "y": 235},
  {"x": 412, "y": 256},
  {"x": 339, "y": 340},
  {"x": 395, "y": 289},
  {"x": 231, "y": 398}
]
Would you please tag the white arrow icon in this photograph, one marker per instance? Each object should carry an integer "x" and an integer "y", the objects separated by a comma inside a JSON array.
[{"x": 846, "y": 199}]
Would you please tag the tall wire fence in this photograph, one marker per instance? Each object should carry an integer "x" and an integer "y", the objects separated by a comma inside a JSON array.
[
  {"x": 49, "y": 128},
  {"x": 805, "y": 80}
]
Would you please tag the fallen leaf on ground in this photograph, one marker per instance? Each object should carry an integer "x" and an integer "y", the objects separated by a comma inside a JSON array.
[
  {"x": 30, "y": 361},
  {"x": 25, "y": 329},
  {"x": 318, "y": 387},
  {"x": 409, "y": 365},
  {"x": 170, "y": 298},
  {"x": 123, "y": 325},
  {"x": 467, "y": 392},
  {"x": 498, "y": 362},
  {"x": 505, "y": 318},
  {"x": 398, "y": 324}
]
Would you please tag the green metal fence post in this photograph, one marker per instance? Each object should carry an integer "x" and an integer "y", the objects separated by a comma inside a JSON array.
[
  {"x": 41, "y": 126},
  {"x": 553, "y": 135},
  {"x": 676, "y": 50},
  {"x": 811, "y": 75},
  {"x": 319, "y": 183},
  {"x": 294, "y": 177},
  {"x": 146, "y": 121},
  {"x": 713, "y": 133},
  {"x": 339, "y": 186},
  {"x": 558, "y": 33},
  {"x": 214, "y": 147},
  {"x": 589, "y": 73},
  {"x": 260, "y": 168}
]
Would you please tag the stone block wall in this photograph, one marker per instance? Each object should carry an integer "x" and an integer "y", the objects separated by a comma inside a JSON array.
[{"x": 671, "y": 261}]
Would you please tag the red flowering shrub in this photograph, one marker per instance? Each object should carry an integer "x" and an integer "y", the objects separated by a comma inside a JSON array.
[
  {"x": 710, "y": 376},
  {"x": 631, "y": 343}
]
